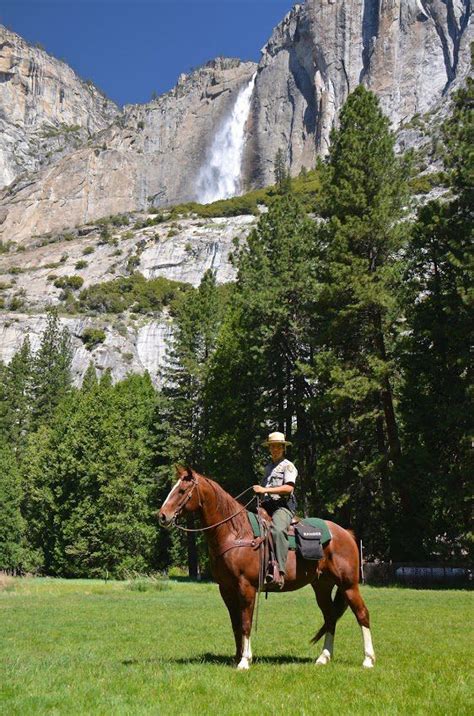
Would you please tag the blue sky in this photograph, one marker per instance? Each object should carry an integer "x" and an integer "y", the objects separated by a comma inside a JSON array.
[{"x": 131, "y": 48}]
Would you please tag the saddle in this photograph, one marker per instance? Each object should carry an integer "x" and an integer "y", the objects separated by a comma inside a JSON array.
[{"x": 306, "y": 536}]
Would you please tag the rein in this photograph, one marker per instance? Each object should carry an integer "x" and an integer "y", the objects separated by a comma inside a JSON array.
[{"x": 210, "y": 527}]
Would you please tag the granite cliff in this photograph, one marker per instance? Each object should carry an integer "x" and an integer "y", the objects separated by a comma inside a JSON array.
[
  {"x": 46, "y": 110},
  {"x": 410, "y": 52}
]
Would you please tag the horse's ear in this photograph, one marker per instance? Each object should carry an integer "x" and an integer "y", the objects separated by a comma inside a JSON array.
[
  {"x": 189, "y": 472},
  {"x": 180, "y": 470}
]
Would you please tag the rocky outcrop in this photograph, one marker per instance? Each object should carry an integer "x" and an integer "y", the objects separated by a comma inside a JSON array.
[
  {"x": 180, "y": 250},
  {"x": 409, "y": 52},
  {"x": 151, "y": 154},
  {"x": 46, "y": 110},
  {"x": 133, "y": 347}
]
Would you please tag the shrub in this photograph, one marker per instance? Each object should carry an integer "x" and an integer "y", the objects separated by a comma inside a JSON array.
[
  {"x": 92, "y": 337},
  {"x": 72, "y": 282},
  {"x": 131, "y": 293},
  {"x": 81, "y": 264}
]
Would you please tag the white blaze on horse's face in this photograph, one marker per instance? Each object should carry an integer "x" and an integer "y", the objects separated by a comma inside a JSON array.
[{"x": 165, "y": 519}]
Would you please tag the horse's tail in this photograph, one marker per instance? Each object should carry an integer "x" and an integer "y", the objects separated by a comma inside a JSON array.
[{"x": 339, "y": 605}]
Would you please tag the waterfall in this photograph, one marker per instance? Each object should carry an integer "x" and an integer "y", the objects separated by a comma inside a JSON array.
[{"x": 220, "y": 177}]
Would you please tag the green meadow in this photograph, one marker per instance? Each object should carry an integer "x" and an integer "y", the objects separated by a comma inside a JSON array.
[{"x": 145, "y": 647}]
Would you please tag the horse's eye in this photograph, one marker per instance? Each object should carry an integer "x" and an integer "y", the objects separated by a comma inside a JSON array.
[{"x": 181, "y": 491}]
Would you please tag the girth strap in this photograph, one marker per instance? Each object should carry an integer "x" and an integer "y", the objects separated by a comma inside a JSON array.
[{"x": 254, "y": 544}]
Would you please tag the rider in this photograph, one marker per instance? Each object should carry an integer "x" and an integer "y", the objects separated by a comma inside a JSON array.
[{"x": 278, "y": 485}]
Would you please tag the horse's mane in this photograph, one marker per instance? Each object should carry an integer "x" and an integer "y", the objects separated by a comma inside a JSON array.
[{"x": 228, "y": 505}]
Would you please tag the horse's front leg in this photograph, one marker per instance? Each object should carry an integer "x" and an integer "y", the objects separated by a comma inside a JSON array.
[
  {"x": 247, "y": 602},
  {"x": 231, "y": 599}
]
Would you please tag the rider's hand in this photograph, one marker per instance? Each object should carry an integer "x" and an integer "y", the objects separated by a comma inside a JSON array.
[{"x": 259, "y": 490}]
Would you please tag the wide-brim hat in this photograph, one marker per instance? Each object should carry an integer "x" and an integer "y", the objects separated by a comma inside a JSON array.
[{"x": 276, "y": 439}]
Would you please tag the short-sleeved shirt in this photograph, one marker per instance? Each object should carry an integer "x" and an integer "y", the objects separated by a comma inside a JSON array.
[{"x": 278, "y": 474}]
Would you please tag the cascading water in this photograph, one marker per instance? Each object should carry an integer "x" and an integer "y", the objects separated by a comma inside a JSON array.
[{"x": 220, "y": 177}]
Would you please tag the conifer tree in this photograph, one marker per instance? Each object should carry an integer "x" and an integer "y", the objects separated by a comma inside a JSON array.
[
  {"x": 436, "y": 352},
  {"x": 51, "y": 369},
  {"x": 12, "y": 552},
  {"x": 16, "y": 397},
  {"x": 362, "y": 197},
  {"x": 184, "y": 416},
  {"x": 257, "y": 377}
]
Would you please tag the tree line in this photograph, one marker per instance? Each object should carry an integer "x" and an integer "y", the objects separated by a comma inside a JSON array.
[{"x": 349, "y": 331}]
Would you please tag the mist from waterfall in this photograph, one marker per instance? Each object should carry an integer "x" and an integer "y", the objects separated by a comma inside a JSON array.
[{"x": 220, "y": 177}]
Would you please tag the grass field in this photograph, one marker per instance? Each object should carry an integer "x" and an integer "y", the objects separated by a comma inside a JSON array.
[{"x": 86, "y": 647}]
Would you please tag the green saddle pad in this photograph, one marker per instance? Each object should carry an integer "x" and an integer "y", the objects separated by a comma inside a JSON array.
[{"x": 316, "y": 522}]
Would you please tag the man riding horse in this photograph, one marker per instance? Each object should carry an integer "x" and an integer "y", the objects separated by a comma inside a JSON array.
[{"x": 278, "y": 486}]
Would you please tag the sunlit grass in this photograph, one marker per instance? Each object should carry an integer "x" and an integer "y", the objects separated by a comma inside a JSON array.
[{"x": 90, "y": 647}]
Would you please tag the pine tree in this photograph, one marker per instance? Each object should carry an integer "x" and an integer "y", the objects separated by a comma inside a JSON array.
[
  {"x": 51, "y": 369},
  {"x": 436, "y": 352},
  {"x": 354, "y": 318},
  {"x": 90, "y": 491},
  {"x": 282, "y": 173},
  {"x": 184, "y": 417},
  {"x": 12, "y": 548},
  {"x": 257, "y": 377},
  {"x": 16, "y": 398}
]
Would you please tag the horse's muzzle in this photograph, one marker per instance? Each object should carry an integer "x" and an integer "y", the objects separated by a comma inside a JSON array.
[{"x": 164, "y": 520}]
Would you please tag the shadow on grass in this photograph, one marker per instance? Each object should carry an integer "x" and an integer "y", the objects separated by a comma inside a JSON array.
[{"x": 223, "y": 660}]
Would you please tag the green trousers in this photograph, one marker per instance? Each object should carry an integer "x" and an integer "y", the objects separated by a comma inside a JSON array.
[{"x": 281, "y": 519}]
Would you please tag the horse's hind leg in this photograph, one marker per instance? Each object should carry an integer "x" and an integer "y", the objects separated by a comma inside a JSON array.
[
  {"x": 332, "y": 610},
  {"x": 361, "y": 612}
]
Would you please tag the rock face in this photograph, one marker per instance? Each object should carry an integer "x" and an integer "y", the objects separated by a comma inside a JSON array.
[
  {"x": 151, "y": 154},
  {"x": 45, "y": 108},
  {"x": 181, "y": 251},
  {"x": 409, "y": 52}
]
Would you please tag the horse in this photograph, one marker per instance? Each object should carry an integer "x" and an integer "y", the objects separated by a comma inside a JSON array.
[{"x": 235, "y": 565}]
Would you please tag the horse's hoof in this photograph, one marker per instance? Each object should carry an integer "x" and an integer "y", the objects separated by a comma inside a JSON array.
[
  {"x": 243, "y": 665},
  {"x": 369, "y": 662},
  {"x": 323, "y": 659}
]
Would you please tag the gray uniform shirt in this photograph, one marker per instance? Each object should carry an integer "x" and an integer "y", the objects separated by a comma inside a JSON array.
[{"x": 279, "y": 474}]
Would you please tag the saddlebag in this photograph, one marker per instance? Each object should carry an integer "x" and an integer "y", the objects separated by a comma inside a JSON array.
[{"x": 308, "y": 541}]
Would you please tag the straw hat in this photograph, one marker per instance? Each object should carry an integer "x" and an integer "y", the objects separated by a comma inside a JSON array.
[{"x": 276, "y": 439}]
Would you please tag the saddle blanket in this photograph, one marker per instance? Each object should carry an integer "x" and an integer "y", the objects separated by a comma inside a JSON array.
[{"x": 315, "y": 522}]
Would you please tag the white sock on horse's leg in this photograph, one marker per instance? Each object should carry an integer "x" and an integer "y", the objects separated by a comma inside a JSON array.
[
  {"x": 244, "y": 662},
  {"x": 369, "y": 654},
  {"x": 326, "y": 654}
]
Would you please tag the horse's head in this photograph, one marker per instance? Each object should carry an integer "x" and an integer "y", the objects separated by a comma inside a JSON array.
[{"x": 183, "y": 496}]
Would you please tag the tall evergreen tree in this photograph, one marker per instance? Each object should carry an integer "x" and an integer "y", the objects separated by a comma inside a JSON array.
[
  {"x": 436, "y": 352},
  {"x": 12, "y": 548},
  {"x": 257, "y": 378},
  {"x": 51, "y": 369},
  {"x": 16, "y": 397},
  {"x": 354, "y": 317},
  {"x": 90, "y": 492},
  {"x": 184, "y": 416}
]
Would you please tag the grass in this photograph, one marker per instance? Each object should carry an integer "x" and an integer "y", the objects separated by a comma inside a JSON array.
[{"x": 89, "y": 647}]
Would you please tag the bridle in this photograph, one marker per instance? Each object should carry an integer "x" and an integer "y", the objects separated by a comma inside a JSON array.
[
  {"x": 185, "y": 501},
  {"x": 187, "y": 497}
]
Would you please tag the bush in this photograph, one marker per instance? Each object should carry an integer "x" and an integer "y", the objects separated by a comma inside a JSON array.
[
  {"x": 88, "y": 250},
  {"x": 131, "y": 293},
  {"x": 72, "y": 282},
  {"x": 81, "y": 265},
  {"x": 92, "y": 337}
]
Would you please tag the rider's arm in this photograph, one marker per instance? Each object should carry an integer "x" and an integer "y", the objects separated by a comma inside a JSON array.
[{"x": 282, "y": 490}]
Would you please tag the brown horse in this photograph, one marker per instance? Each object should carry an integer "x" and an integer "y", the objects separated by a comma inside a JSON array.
[{"x": 235, "y": 566}]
